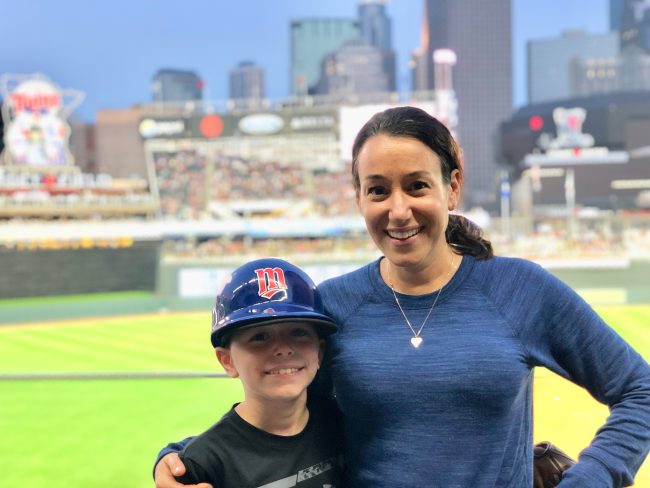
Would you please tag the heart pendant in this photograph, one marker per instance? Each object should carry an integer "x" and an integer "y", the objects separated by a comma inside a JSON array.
[{"x": 416, "y": 341}]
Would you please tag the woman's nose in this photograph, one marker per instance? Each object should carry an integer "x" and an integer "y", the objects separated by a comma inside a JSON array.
[{"x": 400, "y": 208}]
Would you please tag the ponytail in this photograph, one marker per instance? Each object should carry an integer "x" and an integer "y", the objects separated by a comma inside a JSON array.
[{"x": 466, "y": 237}]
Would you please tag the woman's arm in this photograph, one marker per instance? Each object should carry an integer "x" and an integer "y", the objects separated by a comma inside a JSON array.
[
  {"x": 168, "y": 465},
  {"x": 573, "y": 341}
]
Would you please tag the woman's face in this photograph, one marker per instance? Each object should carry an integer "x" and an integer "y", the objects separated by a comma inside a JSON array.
[{"x": 404, "y": 199}]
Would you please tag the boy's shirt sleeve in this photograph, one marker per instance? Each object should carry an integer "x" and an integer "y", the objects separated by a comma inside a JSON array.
[
  {"x": 194, "y": 473},
  {"x": 171, "y": 447}
]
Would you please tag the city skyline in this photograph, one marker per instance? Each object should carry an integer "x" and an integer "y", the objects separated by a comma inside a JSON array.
[
  {"x": 482, "y": 81},
  {"x": 112, "y": 51}
]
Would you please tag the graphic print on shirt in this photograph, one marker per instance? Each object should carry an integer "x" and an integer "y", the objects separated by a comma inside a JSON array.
[
  {"x": 304, "y": 475},
  {"x": 270, "y": 281}
]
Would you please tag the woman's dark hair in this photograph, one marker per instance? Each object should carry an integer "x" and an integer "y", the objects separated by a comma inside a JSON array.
[{"x": 461, "y": 234}]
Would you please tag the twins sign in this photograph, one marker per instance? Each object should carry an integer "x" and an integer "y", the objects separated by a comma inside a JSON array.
[{"x": 35, "y": 112}]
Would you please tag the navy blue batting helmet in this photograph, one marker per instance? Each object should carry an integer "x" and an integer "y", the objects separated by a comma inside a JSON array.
[{"x": 266, "y": 291}]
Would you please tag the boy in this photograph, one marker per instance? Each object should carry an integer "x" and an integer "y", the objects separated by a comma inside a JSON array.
[{"x": 268, "y": 330}]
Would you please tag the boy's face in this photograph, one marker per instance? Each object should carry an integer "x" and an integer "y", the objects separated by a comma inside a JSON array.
[{"x": 274, "y": 362}]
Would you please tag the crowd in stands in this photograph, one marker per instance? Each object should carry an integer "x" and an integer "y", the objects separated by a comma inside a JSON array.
[
  {"x": 224, "y": 249},
  {"x": 181, "y": 178},
  {"x": 23, "y": 190},
  {"x": 235, "y": 178},
  {"x": 183, "y": 188},
  {"x": 556, "y": 246},
  {"x": 38, "y": 197},
  {"x": 334, "y": 194},
  {"x": 191, "y": 183},
  {"x": 543, "y": 245},
  {"x": 637, "y": 241}
]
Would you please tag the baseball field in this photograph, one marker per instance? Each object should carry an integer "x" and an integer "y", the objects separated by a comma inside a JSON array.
[{"x": 88, "y": 403}]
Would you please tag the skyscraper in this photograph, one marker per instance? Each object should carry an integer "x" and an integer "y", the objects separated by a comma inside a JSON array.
[
  {"x": 354, "y": 71},
  {"x": 247, "y": 81},
  {"x": 594, "y": 76},
  {"x": 375, "y": 28},
  {"x": 634, "y": 27},
  {"x": 171, "y": 85},
  {"x": 311, "y": 41},
  {"x": 480, "y": 35},
  {"x": 550, "y": 61},
  {"x": 615, "y": 12},
  {"x": 623, "y": 69}
]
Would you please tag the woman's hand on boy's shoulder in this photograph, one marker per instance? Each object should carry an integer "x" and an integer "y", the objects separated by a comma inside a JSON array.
[{"x": 168, "y": 467}]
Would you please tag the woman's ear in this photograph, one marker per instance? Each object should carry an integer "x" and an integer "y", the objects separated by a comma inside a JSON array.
[
  {"x": 225, "y": 359},
  {"x": 454, "y": 189}
]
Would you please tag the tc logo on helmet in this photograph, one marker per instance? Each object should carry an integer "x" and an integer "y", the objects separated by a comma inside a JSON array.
[{"x": 270, "y": 281}]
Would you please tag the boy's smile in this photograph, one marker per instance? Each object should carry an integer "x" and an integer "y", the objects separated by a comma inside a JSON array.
[{"x": 284, "y": 371}]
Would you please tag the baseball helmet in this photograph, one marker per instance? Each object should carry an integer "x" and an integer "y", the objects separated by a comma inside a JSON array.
[{"x": 266, "y": 291}]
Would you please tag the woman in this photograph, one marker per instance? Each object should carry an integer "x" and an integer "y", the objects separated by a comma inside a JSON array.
[{"x": 433, "y": 363}]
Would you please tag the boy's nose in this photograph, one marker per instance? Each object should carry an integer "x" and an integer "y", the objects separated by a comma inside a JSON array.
[{"x": 282, "y": 347}]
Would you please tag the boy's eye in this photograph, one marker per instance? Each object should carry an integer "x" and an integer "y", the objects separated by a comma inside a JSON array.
[
  {"x": 300, "y": 332},
  {"x": 260, "y": 336}
]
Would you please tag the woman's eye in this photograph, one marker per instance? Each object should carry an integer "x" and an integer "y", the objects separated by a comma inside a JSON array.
[
  {"x": 376, "y": 190},
  {"x": 419, "y": 185}
]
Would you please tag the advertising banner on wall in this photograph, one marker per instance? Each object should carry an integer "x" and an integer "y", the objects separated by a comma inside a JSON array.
[
  {"x": 253, "y": 124},
  {"x": 353, "y": 118},
  {"x": 203, "y": 282},
  {"x": 287, "y": 121}
]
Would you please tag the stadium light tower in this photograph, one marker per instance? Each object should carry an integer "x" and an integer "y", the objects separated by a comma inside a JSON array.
[{"x": 444, "y": 61}]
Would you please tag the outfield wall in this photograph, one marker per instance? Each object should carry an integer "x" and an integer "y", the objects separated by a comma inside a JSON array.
[
  {"x": 184, "y": 286},
  {"x": 599, "y": 281},
  {"x": 39, "y": 272},
  {"x": 630, "y": 284}
]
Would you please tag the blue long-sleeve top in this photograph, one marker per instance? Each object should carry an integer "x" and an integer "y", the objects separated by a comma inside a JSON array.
[{"x": 457, "y": 411}]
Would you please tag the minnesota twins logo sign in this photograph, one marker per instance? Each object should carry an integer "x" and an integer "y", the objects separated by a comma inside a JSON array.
[{"x": 270, "y": 282}]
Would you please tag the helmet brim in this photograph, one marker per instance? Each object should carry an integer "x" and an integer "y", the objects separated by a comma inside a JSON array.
[{"x": 272, "y": 313}]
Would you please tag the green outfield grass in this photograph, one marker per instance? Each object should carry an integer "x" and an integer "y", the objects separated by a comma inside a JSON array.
[
  {"x": 113, "y": 295},
  {"x": 106, "y": 433}
]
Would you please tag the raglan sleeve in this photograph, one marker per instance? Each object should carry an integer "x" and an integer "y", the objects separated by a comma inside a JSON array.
[
  {"x": 569, "y": 338},
  {"x": 322, "y": 385}
]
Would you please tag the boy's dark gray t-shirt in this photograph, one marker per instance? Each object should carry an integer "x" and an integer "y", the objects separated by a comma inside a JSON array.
[{"x": 233, "y": 453}]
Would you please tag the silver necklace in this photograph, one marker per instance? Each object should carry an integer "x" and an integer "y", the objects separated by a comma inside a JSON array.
[{"x": 416, "y": 340}]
